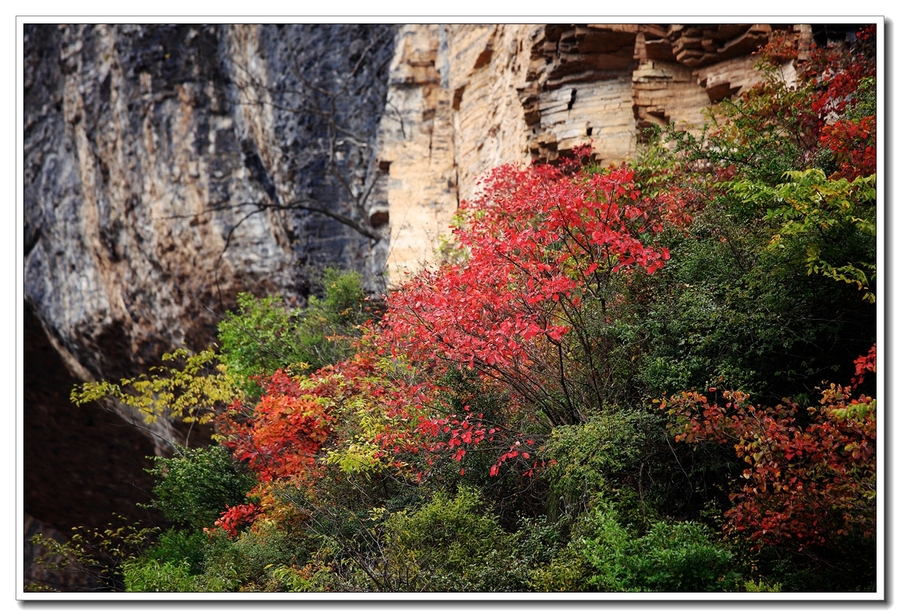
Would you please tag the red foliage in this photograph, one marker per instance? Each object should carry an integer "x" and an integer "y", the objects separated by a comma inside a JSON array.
[
  {"x": 824, "y": 110},
  {"x": 837, "y": 73},
  {"x": 234, "y": 517},
  {"x": 782, "y": 47},
  {"x": 810, "y": 474},
  {"x": 539, "y": 243},
  {"x": 864, "y": 363},
  {"x": 837, "y": 76},
  {"x": 535, "y": 238},
  {"x": 853, "y": 145},
  {"x": 456, "y": 438},
  {"x": 287, "y": 429}
]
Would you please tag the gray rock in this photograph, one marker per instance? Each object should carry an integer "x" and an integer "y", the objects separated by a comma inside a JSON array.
[{"x": 156, "y": 188}]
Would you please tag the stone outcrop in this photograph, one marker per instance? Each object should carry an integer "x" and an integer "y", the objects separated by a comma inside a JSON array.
[
  {"x": 167, "y": 168},
  {"x": 416, "y": 150},
  {"x": 466, "y": 98}
]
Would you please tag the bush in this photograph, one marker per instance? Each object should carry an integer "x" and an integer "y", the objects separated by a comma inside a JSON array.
[
  {"x": 594, "y": 456},
  {"x": 181, "y": 547},
  {"x": 150, "y": 575},
  {"x": 249, "y": 563},
  {"x": 449, "y": 545},
  {"x": 680, "y": 557},
  {"x": 265, "y": 334},
  {"x": 196, "y": 485},
  {"x": 671, "y": 557}
]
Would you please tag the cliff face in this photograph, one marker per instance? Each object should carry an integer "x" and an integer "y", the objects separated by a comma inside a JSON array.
[
  {"x": 465, "y": 98},
  {"x": 154, "y": 179},
  {"x": 167, "y": 168}
]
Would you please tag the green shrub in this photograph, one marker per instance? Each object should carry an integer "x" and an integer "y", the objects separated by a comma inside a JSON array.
[
  {"x": 180, "y": 546},
  {"x": 151, "y": 575},
  {"x": 761, "y": 586},
  {"x": 671, "y": 557},
  {"x": 250, "y": 562},
  {"x": 265, "y": 334},
  {"x": 448, "y": 545},
  {"x": 565, "y": 572},
  {"x": 594, "y": 456},
  {"x": 680, "y": 557},
  {"x": 196, "y": 485}
]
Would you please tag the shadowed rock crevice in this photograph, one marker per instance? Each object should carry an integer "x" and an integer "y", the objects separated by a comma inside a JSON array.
[{"x": 80, "y": 464}]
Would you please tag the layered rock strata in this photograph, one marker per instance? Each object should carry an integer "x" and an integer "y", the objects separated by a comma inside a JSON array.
[{"x": 466, "y": 98}]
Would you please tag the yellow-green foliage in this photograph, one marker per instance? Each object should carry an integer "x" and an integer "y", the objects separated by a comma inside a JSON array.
[
  {"x": 812, "y": 209},
  {"x": 365, "y": 419},
  {"x": 96, "y": 553},
  {"x": 761, "y": 586},
  {"x": 155, "y": 576},
  {"x": 190, "y": 393},
  {"x": 367, "y": 416}
]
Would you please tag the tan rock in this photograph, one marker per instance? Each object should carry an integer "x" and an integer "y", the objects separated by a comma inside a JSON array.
[{"x": 466, "y": 98}]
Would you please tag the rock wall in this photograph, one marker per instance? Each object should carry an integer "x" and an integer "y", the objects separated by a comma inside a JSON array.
[
  {"x": 167, "y": 168},
  {"x": 155, "y": 186},
  {"x": 465, "y": 98}
]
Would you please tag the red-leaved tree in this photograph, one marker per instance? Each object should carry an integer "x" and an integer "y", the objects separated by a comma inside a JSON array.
[
  {"x": 544, "y": 253},
  {"x": 810, "y": 473}
]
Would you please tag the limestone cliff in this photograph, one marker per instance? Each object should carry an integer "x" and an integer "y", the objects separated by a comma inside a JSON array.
[
  {"x": 168, "y": 167},
  {"x": 465, "y": 98},
  {"x": 157, "y": 176}
]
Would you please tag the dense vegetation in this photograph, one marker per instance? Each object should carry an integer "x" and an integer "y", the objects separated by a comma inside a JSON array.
[{"x": 654, "y": 377}]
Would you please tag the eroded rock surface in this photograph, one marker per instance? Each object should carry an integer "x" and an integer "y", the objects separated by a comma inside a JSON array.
[
  {"x": 143, "y": 149},
  {"x": 466, "y": 98}
]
